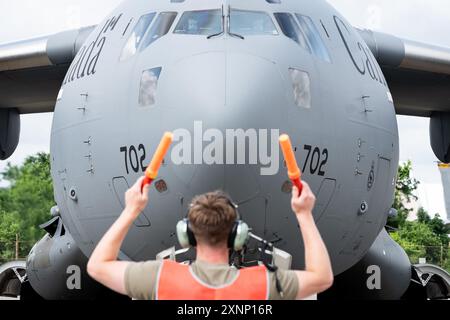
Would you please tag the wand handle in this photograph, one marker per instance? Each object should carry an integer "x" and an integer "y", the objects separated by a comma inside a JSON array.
[{"x": 298, "y": 184}]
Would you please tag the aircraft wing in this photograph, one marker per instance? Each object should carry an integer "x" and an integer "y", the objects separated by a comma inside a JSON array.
[
  {"x": 31, "y": 71},
  {"x": 418, "y": 74}
]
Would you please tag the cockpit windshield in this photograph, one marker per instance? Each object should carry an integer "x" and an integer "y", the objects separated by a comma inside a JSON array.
[
  {"x": 202, "y": 22},
  {"x": 248, "y": 23},
  {"x": 135, "y": 38},
  {"x": 209, "y": 22},
  {"x": 291, "y": 29},
  {"x": 159, "y": 28}
]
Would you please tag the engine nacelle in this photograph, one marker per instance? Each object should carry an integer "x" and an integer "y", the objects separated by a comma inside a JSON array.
[
  {"x": 384, "y": 273},
  {"x": 440, "y": 135},
  {"x": 9, "y": 132},
  {"x": 56, "y": 268}
]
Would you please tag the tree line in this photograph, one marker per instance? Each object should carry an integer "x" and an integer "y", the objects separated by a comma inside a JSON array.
[
  {"x": 24, "y": 204},
  {"x": 424, "y": 237}
]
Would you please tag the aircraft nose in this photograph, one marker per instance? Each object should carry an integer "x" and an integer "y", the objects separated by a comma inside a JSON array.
[
  {"x": 255, "y": 89},
  {"x": 206, "y": 96},
  {"x": 195, "y": 85},
  {"x": 224, "y": 90}
]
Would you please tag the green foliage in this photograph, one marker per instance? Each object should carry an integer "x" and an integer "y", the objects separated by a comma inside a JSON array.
[
  {"x": 422, "y": 216},
  {"x": 404, "y": 193},
  {"x": 27, "y": 200},
  {"x": 425, "y": 238},
  {"x": 438, "y": 226},
  {"x": 419, "y": 241},
  {"x": 446, "y": 264},
  {"x": 9, "y": 227}
]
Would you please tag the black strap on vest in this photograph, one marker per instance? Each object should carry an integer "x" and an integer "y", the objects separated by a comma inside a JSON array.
[{"x": 267, "y": 260}]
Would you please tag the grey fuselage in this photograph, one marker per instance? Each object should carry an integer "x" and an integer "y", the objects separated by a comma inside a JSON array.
[{"x": 346, "y": 139}]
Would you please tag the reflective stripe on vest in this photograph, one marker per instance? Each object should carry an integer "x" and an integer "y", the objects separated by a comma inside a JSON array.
[{"x": 177, "y": 282}]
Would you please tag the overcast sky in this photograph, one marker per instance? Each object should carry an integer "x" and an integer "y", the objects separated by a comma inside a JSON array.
[{"x": 421, "y": 20}]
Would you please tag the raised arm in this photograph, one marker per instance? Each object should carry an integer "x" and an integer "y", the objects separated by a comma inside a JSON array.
[
  {"x": 103, "y": 265},
  {"x": 318, "y": 275}
]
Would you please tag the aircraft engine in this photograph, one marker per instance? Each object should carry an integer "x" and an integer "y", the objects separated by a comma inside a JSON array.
[
  {"x": 56, "y": 268},
  {"x": 9, "y": 132},
  {"x": 440, "y": 135},
  {"x": 384, "y": 273}
]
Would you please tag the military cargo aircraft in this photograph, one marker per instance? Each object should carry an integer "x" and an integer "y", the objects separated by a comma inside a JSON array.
[{"x": 227, "y": 77}]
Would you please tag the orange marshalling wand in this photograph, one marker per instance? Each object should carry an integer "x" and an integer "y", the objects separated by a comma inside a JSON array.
[
  {"x": 294, "y": 172},
  {"x": 152, "y": 170}
]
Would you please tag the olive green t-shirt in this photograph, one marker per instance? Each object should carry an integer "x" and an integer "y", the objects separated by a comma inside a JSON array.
[{"x": 141, "y": 278}]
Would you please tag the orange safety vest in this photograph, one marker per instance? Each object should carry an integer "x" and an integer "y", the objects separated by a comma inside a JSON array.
[{"x": 178, "y": 282}]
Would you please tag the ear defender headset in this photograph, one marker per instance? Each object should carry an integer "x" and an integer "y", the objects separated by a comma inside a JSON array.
[{"x": 236, "y": 239}]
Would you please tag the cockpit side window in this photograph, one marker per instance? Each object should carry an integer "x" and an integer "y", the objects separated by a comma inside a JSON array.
[
  {"x": 149, "y": 86},
  {"x": 291, "y": 29},
  {"x": 313, "y": 36},
  {"x": 202, "y": 22},
  {"x": 159, "y": 28},
  {"x": 248, "y": 23},
  {"x": 135, "y": 38}
]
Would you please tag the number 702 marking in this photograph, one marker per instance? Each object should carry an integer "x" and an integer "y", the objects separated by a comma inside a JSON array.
[
  {"x": 135, "y": 157},
  {"x": 317, "y": 160}
]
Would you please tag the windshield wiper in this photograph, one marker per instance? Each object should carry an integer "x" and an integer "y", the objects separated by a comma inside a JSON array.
[
  {"x": 228, "y": 26},
  {"x": 223, "y": 28}
]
